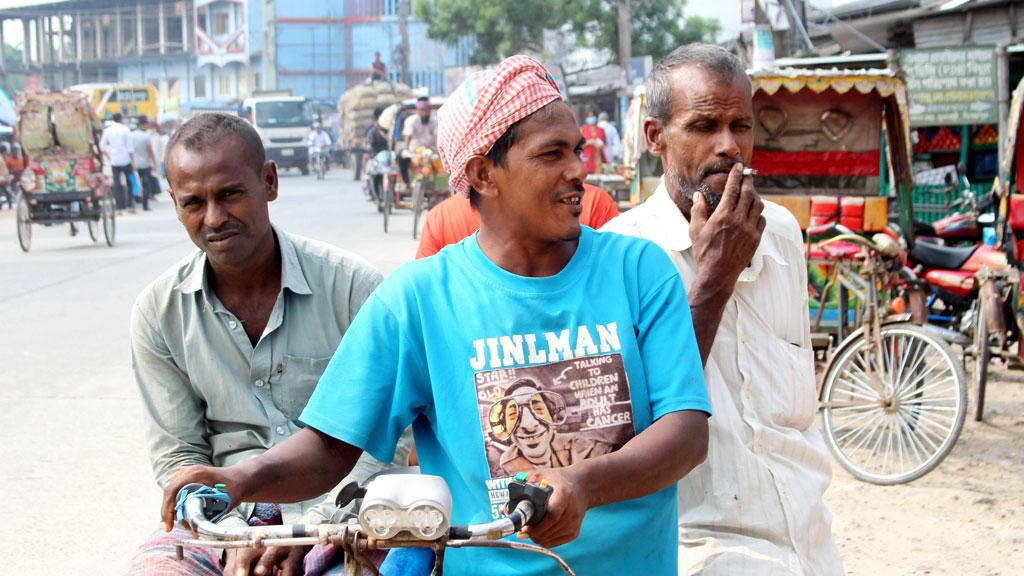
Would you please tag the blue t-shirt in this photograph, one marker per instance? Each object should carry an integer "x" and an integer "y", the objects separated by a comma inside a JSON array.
[{"x": 499, "y": 373}]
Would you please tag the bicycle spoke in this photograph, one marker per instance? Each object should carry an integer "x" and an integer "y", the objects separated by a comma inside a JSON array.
[
  {"x": 929, "y": 427},
  {"x": 863, "y": 425},
  {"x": 918, "y": 378},
  {"x": 905, "y": 355},
  {"x": 866, "y": 382},
  {"x": 917, "y": 448},
  {"x": 918, "y": 392}
]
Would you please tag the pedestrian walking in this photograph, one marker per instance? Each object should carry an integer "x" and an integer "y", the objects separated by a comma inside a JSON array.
[
  {"x": 116, "y": 146},
  {"x": 145, "y": 161}
]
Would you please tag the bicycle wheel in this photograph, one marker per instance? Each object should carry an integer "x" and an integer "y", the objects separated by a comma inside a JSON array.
[
  {"x": 107, "y": 216},
  {"x": 893, "y": 410},
  {"x": 94, "y": 232},
  {"x": 24, "y": 217},
  {"x": 417, "y": 206},
  {"x": 982, "y": 355}
]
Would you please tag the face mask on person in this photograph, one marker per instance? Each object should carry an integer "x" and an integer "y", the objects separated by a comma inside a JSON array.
[{"x": 591, "y": 120}]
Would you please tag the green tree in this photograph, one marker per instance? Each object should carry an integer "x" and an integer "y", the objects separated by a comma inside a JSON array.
[
  {"x": 500, "y": 27},
  {"x": 504, "y": 27},
  {"x": 658, "y": 26}
]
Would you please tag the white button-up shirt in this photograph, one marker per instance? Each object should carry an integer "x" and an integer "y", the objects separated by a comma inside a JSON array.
[
  {"x": 116, "y": 141},
  {"x": 755, "y": 505}
]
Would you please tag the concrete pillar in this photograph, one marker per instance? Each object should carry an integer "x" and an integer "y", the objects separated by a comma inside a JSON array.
[
  {"x": 98, "y": 26},
  {"x": 139, "y": 29},
  {"x": 3, "y": 61},
  {"x": 78, "y": 37},
  {"x": 26, "y": 34},
  {"x": 119, "y": 34},
  {"x": 162, "y": 40},
  {"x": 62, "y": 37},
  {"x": 40, "y": 44},
  {"x": 185, "y": 27}
]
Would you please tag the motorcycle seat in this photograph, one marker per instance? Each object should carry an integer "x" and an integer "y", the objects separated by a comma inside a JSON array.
[{"x": 943, "y": 257}]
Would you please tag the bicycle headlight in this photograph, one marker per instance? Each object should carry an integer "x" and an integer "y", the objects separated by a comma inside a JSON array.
[
  {"x": 418, "y": 504},
  {"x": 380, "y": 520}
]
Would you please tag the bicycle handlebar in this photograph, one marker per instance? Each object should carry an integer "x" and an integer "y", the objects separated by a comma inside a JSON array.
[
  {"x": 200, "y": 506},
  {"x": 887, "y": 249}
]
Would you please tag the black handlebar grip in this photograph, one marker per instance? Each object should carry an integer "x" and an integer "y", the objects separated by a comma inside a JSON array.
[{"x": 536, "y": 494}]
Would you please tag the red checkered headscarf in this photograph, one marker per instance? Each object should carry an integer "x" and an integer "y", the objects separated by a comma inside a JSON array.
[{"x": 484, "y": 107}]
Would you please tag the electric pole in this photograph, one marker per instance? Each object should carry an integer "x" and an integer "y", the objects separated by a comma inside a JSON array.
[
  {"x": 625, "y": 39},
  {"x": 403, "y": 31}
]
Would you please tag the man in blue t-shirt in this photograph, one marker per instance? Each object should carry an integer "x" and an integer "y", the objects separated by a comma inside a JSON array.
[{"x": 535, "y": 345}]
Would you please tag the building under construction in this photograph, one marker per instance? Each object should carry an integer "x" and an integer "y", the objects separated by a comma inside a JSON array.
[{"x": 213, "y": 53}]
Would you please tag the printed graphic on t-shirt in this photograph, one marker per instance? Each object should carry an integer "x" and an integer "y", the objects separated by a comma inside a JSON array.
[{"x": 573, "y": 407}]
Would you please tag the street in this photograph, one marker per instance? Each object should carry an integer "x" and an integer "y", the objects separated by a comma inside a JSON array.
[{"x": 78, "y": 493}]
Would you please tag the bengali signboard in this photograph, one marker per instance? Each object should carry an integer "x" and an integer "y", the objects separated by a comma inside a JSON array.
[{"x": 951, "y": 85}]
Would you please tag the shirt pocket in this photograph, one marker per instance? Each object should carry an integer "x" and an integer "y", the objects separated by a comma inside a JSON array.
[
  {"x": 794, "y": 391},
  {"x": 294, "y": 381}
]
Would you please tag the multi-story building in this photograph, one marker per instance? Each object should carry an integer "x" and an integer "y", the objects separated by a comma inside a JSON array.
[{"x": 214, "y": 53}]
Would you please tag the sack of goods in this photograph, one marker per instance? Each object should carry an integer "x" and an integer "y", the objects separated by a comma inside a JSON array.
[{"x": 357, "y": 105}]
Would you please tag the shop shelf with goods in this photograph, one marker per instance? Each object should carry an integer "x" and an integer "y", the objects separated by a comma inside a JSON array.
[{"x": 973, "y": 150}]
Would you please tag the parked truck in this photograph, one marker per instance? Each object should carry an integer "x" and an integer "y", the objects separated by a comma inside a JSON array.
[{"x": 283, "y": 122}]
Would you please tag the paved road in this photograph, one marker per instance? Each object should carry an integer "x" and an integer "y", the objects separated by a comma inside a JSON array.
[{"x": 78, "y": 493}]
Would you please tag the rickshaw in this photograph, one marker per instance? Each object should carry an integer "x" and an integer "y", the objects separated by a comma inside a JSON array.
[
  {"x": 63, "y": 182},
  {"x": 999, "y": 310},
  {"x": 833, "y": 147},
  {"x": 429, "y": 184}
]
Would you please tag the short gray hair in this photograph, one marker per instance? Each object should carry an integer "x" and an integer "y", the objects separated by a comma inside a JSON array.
[
  {"x": 209, "y": 130},
  {"x": 712, "y": 58}
]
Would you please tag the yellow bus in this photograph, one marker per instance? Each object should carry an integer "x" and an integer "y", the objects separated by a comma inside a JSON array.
[{"x": 131, "y": 100}]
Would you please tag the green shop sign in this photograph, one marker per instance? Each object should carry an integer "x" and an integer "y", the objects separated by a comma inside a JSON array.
[{"x": 951, "y": 85}]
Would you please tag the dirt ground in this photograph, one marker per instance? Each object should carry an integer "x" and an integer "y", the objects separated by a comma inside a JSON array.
[{"x": 965, "y": 518}]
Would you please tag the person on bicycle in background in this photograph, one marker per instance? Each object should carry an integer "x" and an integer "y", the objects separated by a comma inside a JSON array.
[
  {"x": 228, "y": 344},
  {"x": 417, "y": 133},
  {"x": 319, "y": 144},
  {"x": 376, "y": 140},
  {"x": 599, "y": 319},
  {"x": 755, "y": 506}
]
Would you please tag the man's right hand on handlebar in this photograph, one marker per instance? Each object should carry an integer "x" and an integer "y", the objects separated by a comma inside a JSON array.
[
  {"x": 206, "y": 475},
  {"x": 565, "y": 510}
]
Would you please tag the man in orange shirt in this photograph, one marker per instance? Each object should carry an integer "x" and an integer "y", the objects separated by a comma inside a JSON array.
[{"x": 455, "y": 218}]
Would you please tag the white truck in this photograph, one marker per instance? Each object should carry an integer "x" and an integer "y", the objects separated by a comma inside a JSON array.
[{"x": 283, "y": 122}]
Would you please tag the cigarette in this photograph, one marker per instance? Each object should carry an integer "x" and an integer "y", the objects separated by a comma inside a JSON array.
[{"x": 749, "y": 172}]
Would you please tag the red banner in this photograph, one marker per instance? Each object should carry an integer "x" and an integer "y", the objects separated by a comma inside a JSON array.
[{"x": 810, "y": 163}]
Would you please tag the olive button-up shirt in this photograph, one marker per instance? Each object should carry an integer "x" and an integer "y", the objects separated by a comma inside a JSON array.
[{"x": 211, "y": 397}]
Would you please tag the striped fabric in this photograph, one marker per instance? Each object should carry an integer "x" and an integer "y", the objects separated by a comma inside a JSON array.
[{"x": 483, "y": 107}]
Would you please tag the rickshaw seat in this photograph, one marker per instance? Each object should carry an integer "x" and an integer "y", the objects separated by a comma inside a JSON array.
[{"x": 942, "y": 257}]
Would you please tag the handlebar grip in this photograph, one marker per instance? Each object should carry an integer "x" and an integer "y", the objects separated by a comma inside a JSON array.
[
  {"x": 216, "y": 501},
  {"x": 537, "y": 495}
]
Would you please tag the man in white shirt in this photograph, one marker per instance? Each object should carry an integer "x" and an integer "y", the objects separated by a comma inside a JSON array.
[
  {"x": 116, "y": 145},
  {"x": 755, "y": 505},
  {"x": 419, "y": 131},
  {"x": 613, "y": 143}
]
